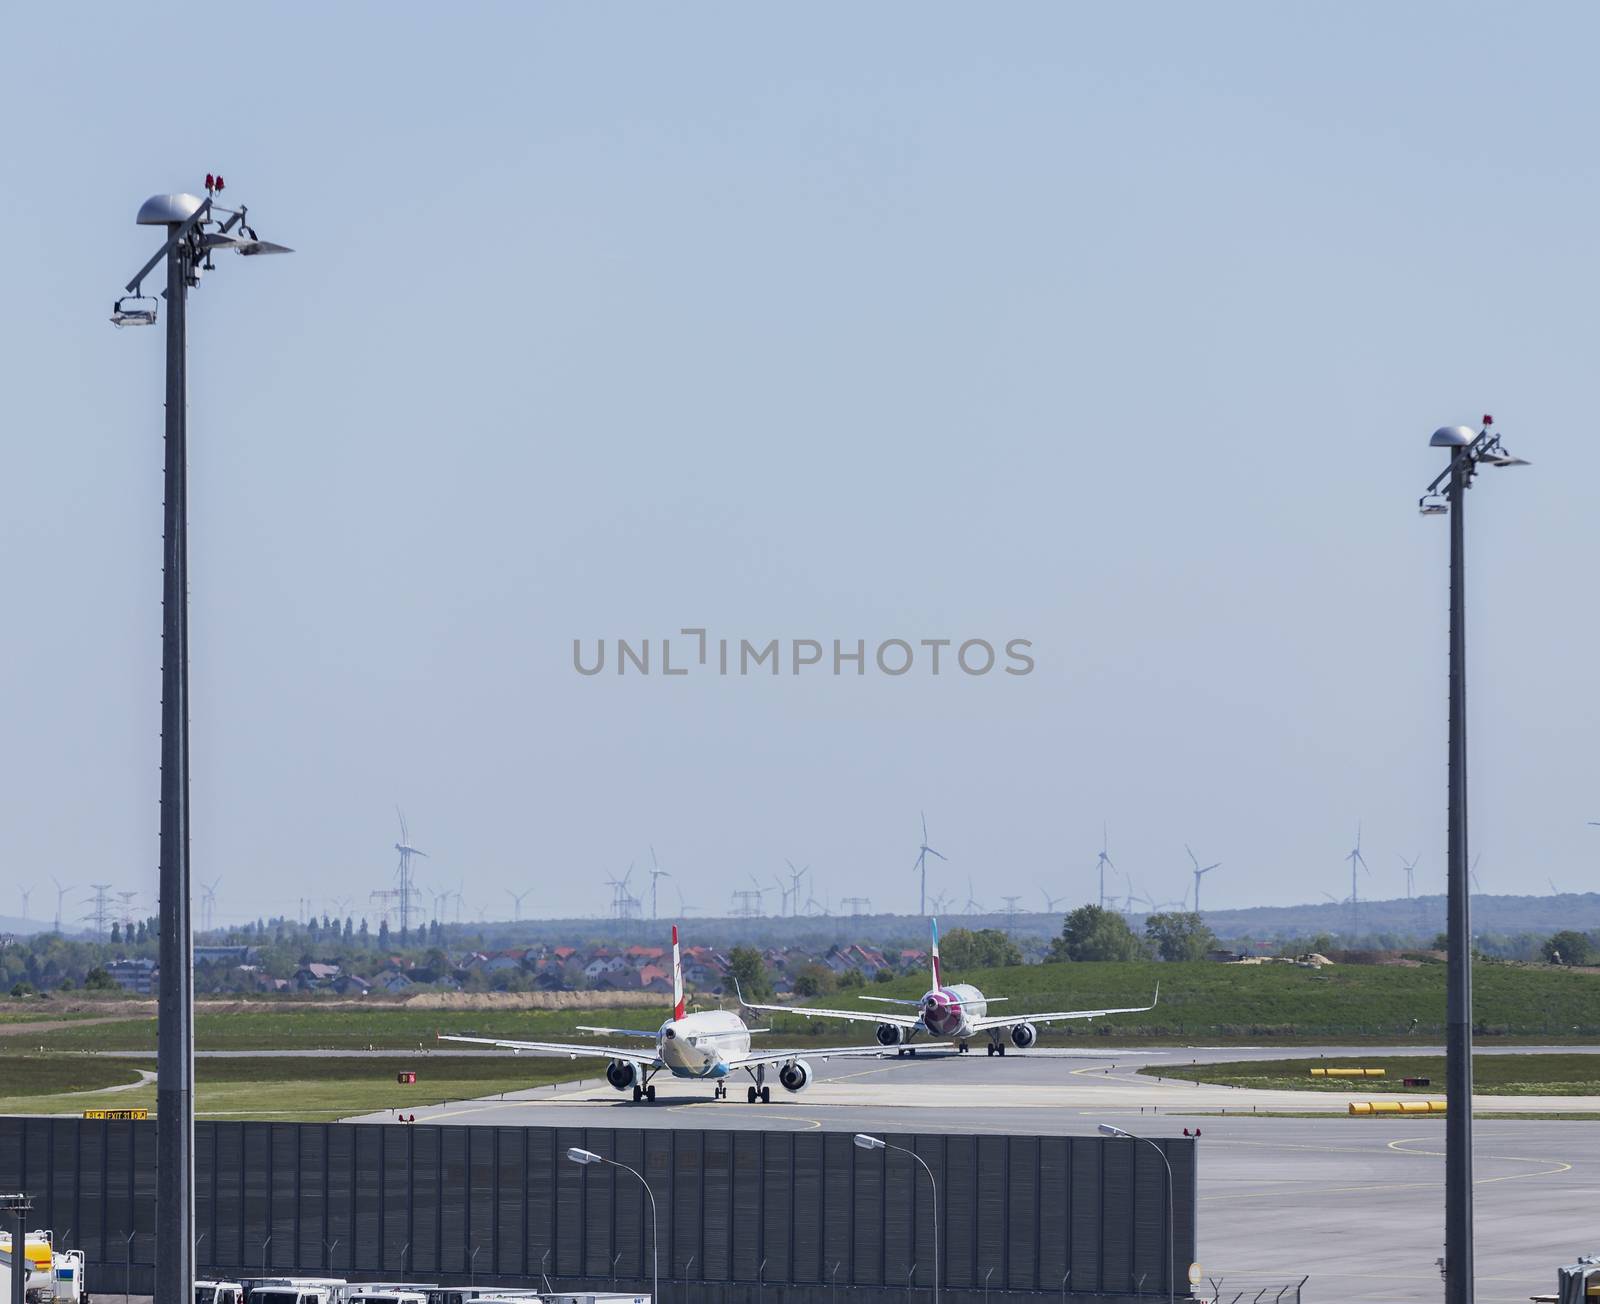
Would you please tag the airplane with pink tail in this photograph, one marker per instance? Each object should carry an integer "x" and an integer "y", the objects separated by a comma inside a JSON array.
[{"x": 957, "y": 1013}]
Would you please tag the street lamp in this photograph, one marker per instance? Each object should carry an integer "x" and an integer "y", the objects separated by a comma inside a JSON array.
[
  {"x": 1107, "y": 1130},
  {"x": 1469, "y": 450},
  {"x": 589, "y": 1157},
  {"x": 196, "y": 228},
  {"x": 865, "y": 1142}
]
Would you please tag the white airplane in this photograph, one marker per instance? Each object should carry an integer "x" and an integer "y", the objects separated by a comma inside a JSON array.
[
  {"x": 711, "y": 1044},
  {"x": 954, "y": 1013}
]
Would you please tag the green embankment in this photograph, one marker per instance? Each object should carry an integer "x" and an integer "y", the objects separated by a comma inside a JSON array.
[
  {"x": 1277, "y": 1001},
  {"x": 1492, "y": 1075}
]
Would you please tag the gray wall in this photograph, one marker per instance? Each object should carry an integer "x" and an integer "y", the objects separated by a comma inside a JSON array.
[{"x": 415, "y": 1201}]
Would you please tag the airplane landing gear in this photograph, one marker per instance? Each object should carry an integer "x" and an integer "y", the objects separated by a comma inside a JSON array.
[
  {"x": 766, "y": 1095},
  {"x": 963, "y": 1049},
  {"x": 763, "y": 1094},
  {"x": 996, "y": 1046},
  {"x": 721, "y": 1093},
  {"x": 650, "y": 1092},
  {"x": 750, "y": 1096},
  {"x": 638, "y": 1094}
]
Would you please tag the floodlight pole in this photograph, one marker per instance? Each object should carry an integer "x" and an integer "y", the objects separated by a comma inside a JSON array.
[
  {"x": 1468, "y": 451},
  {"x": 193, "y": 234},
  {"x": 1458, "y": 925},
  {"x": 175, "y": 1009}
]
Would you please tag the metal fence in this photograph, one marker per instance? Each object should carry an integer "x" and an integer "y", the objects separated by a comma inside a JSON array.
[{"x": 801, "y": 1216}]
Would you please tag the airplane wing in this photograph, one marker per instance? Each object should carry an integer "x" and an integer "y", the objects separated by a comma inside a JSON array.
[
  {"x": 785, "y": 1056},
  {"x": 858, "y": 1016},
  {"x": 645, "y": 1057},
  {"x": 1057, "y": 1016},
  {"x": 618, "y": 1032}
]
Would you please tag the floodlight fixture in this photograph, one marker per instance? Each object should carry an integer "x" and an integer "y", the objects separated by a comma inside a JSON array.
[
  {"x": 865, "y": 1142},
  {"x": 584, "y": 1156},
  {"x": 1106, "y": 1129},
  {"x": 134, "y": 310}
]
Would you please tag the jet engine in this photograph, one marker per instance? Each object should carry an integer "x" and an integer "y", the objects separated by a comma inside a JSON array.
[
  {"x": 890, "y": 1034},
  {"x": 795, "y": 1075},
  {"x": 622, "y": 1074},
  {"x": 1024, "y": 1035}
]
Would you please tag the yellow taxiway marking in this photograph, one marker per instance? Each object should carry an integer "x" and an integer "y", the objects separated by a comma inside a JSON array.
[{"x": 1560, "y": 1167}]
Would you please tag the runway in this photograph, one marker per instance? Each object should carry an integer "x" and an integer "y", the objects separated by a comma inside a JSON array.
[{"x": 1355, "y": 1203}]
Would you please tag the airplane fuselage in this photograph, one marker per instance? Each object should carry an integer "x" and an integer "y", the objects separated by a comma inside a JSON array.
[
  {"x": 950, "y": 1011},
  {"x": 700, "y": 1045}
]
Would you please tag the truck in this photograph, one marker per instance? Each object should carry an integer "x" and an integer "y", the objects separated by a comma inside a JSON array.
[{"x": 50, "y": 1276}]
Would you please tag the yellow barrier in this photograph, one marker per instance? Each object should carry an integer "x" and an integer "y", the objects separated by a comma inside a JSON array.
[
  {"x": 1366, "y": 1107},
  {"x": 1347, "y": 1073}
]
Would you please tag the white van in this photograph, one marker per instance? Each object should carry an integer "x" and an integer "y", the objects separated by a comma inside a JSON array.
[
  {"x": 218, "y": 1292},
  {"x": 298, "y": 1290}
]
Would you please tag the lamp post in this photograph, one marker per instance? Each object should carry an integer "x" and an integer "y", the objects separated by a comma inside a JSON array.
[
  {"x": 589, "y": 1157},
  {"x": 865, "y": 1142},
  {"x": 196, "y": 229},
  {"x": 1469, "y": 450},
  {"x": 1107, "y": 1130}
]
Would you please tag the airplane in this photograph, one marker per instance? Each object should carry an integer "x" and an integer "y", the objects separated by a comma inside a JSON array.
[
  {"x": 710, "y": 1044},
  {"x": 955, "y": 1013}
]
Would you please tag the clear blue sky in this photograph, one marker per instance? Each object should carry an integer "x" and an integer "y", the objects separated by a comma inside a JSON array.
[{"x": 1121, "y": 330}]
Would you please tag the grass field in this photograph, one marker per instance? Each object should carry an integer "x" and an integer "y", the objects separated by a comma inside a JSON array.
[
  {"x": 1492, "y": 1075},
  {"x": 309, "y": 1089},
  {"x": 1379, "y": 1003},
  {"x": 1294, "y": 1006},
  {"x": 305, "y": 1025}
]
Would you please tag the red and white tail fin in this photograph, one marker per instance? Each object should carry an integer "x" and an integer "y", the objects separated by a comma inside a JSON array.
[
  {"x": 677, "y": 976},
  {"x": 938, "y": 981}
]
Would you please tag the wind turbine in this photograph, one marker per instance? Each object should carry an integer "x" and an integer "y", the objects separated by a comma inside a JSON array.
[
  {"x": 795, "y": 875},
  {"x": 622, "y": 900},
  {"x": 1473, "y": 871},
  {"x": 1356, "y": 859},
  {"x": 517, "y": 897},
  {"x": 1050, "y": 902},
  {"x": 1198, "y": 875},
  {"x": 921, "y": 864},
  {"x": 1410, "y": 873},
  {"x": 407, "y": 887},
  {"x": 26, "y": 893},
  {"x": 682, "y": 908},
  {"x": 656, "y": 874},
  {"x": 61, "y": 892},
  {"x": 208, "y": 904},
  {"x": 973, "y": 906},
  {"x": 1103, "y": 863}
]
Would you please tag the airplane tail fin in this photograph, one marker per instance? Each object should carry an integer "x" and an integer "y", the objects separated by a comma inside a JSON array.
[
  {"x": 677, "y": 976},
  {"x": 938, "y": 982}
]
